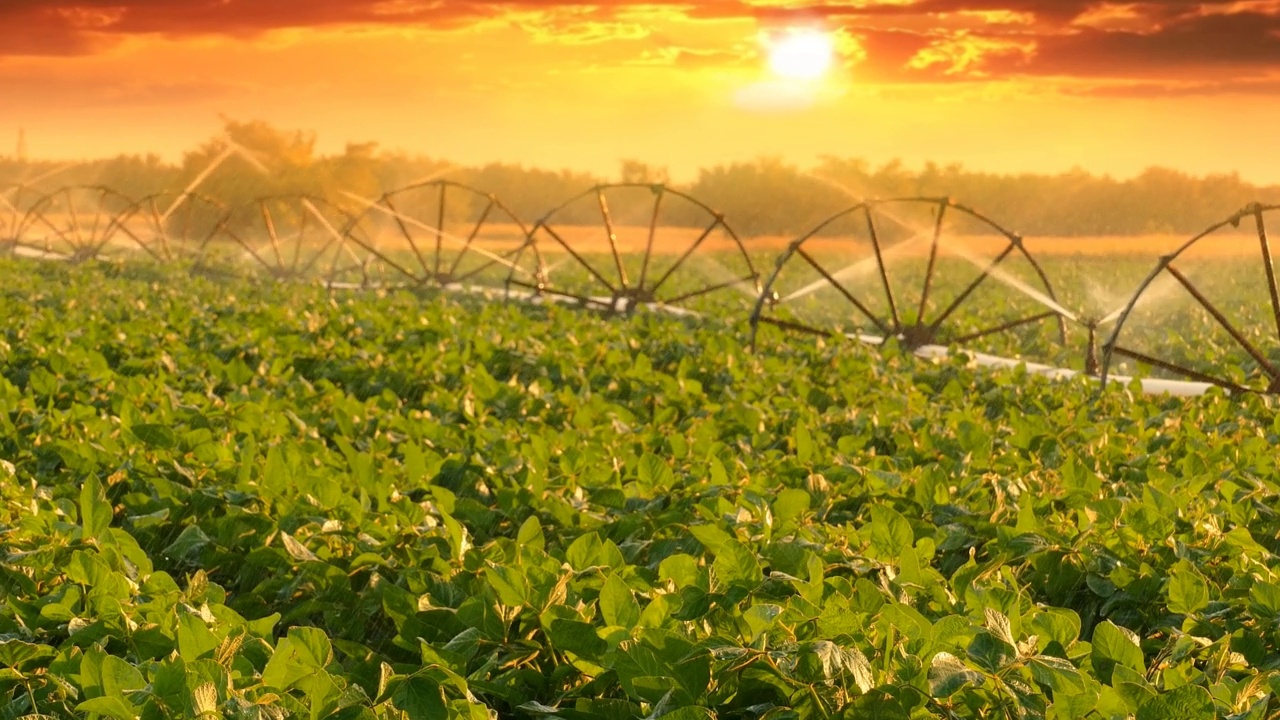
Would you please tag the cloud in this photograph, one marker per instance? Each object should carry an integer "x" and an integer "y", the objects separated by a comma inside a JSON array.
[
  {"x": 1264, "y": 86},
  {"x": 965, "y": 40},
  {"x": 692, "y": 58},
  {"x": 900, "y": 41}
]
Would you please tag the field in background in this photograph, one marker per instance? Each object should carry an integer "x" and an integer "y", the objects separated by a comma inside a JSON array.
[
  {"x": 633, "y": 239},
  {"x": 629, "y": 239}
]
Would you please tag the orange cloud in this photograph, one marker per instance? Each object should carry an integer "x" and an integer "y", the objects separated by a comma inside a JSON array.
[
  {"x": 972, "y": 56},
  {"x": 898, "y": 41}
]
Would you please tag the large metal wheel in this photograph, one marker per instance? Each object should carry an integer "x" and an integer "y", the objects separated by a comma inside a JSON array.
[
  {"x": 15, "y": 202},
  {"x": 285, "y": 237},
  {"x": 74, "y": 224},
  {"x": 1208, "y": 312},
  {"x": 445, "y": 234},
  {"x": 622, "y": 246},
  {"x": 171, "y": 228},
  {"x": 921, "y": 271}
]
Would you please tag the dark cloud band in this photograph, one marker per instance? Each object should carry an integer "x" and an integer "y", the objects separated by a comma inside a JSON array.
[{"x": 924, "y": 41}]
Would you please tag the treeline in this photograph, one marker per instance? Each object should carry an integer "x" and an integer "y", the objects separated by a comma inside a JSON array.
[{"x": 762, "y": 197}]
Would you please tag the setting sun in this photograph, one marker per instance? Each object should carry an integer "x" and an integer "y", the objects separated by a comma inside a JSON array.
[{"x": 802, "y": 55}]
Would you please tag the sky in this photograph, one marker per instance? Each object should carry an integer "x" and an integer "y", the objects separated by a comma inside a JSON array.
[{"x": 997, "y": 85}]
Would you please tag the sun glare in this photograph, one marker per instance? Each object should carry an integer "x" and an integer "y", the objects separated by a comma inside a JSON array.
[{"x": 801, "y": 55}]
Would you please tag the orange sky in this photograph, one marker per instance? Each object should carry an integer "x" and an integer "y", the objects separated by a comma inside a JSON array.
[{"x": 1002, "y": 85}]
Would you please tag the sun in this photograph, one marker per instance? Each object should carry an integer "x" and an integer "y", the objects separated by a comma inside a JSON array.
[{"x": 802, "y": 55}]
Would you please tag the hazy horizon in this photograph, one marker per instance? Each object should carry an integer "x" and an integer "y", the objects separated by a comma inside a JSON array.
[
  {"x": 603, "y": 167},
  {"x": 1007, "y": 86}
]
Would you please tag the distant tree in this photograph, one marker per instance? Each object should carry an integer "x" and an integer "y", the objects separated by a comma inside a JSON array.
[
  {"x": 532, "y": 193},
  {"x": 279, "y": 162},
  {"x": 636, "y": 171},
  {"x": 353, "y": 173},
  {"x": 764, "y": 196},
  {"x": 137, "y": 176},
  {"x": 768, "y": 196}
]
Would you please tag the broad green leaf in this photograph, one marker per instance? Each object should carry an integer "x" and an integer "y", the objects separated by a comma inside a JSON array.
[
  {"x": 617, "y": 604},
  {"x": 1112, "y": 646},
  {"x": 169, "y": 684},
  {"x": 509, "y": 583},
  {"x": 188, "y": 545},
  {"x": 1189, "y": 702},
  {"x": 889, "y": 532},
  {"x": 302, "y": 653},
  {"x": 530, "y": 534},
  {"x": 284, "y": 669},
  {"x": 195, "y": 640},
  {"x": 803, "y": 442},
  {"x": 156, "y": 436},
  {"x": 578, "y": 638},
  {"x": 682, "y": 570},
  {"x": 119, "y": 677},
  {"x": 111, "y": 706},
  {"x": 16, "y": 653},
  {"x": 1264, "y": 599},
  {"x": 876, "y": 705},
  {"x": 997, "y": 623},
  {"x": 790, "y": 505},
  {"x": 654, "y": 473},
  {"x": 760, "y": 618},
  {"x": 716, "y": 473},
  {"x": 311, "y": 646},
  {"x": 736, "y": 563},
  {"x": 1058, "y": 674},
  {"x": 713, "y": 538},
  {"x": 990, "y": 653},
  {"x": 297, "y": 550},
  {"x": 459, "y": 536},
  {"x": 421, "y": 698},
  {"x": 1188, "y": 592},
  {"x": 588, "y": 551},
  {"x": 1060, "y": 625},
  {"x": 95, "y": 510},
  {"x": 948, "y": 673}
]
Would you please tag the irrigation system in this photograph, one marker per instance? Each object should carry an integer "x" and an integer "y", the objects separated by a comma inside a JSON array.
[{"x": 928, "y": 274}]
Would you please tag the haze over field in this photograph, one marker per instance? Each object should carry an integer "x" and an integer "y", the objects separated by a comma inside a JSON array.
[{"x": 1001, "y": 85}]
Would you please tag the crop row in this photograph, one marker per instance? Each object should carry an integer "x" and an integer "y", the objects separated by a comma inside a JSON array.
[
  {"x": 238, "y": 499},
  {"x": 928, "y": 273}
]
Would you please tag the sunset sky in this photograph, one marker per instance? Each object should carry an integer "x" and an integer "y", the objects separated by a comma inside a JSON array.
[{"x": 1001, "y": 85}]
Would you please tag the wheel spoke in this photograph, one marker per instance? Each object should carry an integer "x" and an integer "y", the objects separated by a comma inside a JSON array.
[
  {"x": 471, "y": 237},
  {"x": 299, "y": 239},
  {"x": 653, "y": 232},
  {"x": 271, "y": 233},
  {"x": 581, "y": 261},
  {"x": 933, "y": 259},
  {"x": 709, "y": 289},
  {"x": 792, "y": 325},
  {"x": 613, "y": 237},
  {"x": 687, "y": 254},
  {"x": 408, "y": 236},
  {"x": 844, "y": 291},
  {"x": 439, "y": 229},
  {"x": 1002, "y": 327},
  {"x": 1178, "y": 369},
  {"x": 884, "y": 270},
  {"x": 964, "y": 295},
  {"x": 1224, "y": 322},
  {"x": 1269, "y": 266}
]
